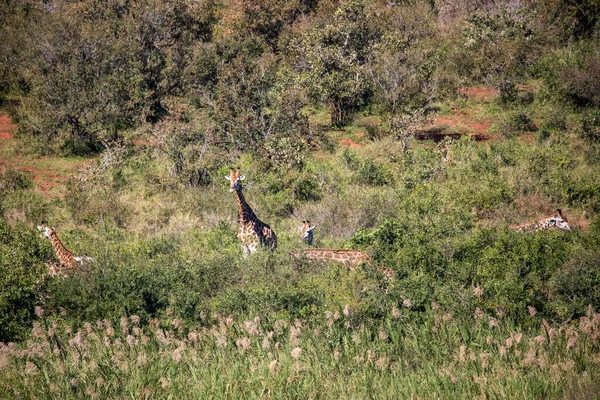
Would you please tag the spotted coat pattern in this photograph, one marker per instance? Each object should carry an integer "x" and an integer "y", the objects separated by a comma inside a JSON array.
[
  {"x": 252, "y": 232},
  {"x": 350, "y": 258},
  {"x": 556, "y": 220},
  {"x": 66, "y": 259}
]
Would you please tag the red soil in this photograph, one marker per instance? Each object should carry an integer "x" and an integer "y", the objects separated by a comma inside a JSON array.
[
  {"x": 455, "y": 126},
  {"x": 6, "y": 127},
  {"x": 478, "y": 93},
  {"x": 349, "y": 142},
  {"x": 44, "y": 180}
]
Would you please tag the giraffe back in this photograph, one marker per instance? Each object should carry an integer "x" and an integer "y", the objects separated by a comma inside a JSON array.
[
  {"x": 557, "y": 220},
  {"x": 350, "y": 258}
]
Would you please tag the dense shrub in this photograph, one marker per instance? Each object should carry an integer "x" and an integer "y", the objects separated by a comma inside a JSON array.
[
  {"x": 590, "y": 126},
  {"x": 22, "y": 257}
]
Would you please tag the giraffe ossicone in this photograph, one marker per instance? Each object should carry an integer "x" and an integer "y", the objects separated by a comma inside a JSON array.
[
  {"x": 306, "y": 232},
  {"x": 252, "y": 232}
]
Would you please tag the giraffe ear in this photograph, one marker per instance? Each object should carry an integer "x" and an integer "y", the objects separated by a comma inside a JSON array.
[
  {"x": 228, "y": 178},
  {"x": 242, "y": 177}
]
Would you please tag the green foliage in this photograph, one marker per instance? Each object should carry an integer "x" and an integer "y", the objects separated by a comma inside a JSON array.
[
  {"x": 333, "y": 55},
  {"x": 307, "y": 189},
  {"x": 21, "y": 256},
  {"x": 590, "y": 126},
  {"x": 515, "y": 123},
  {"x": 500, "y": 45},
  {"x": 12, "y": 180},
  {"x": 574, "y": 286},
  {"x": 373, "y": 173}
]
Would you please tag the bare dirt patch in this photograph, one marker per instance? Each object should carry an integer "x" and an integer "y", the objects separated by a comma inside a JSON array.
[
  {"x": 45, "y": 172},
  {"x": 349, "y": 142},
  {"x": 6, "y": 127},
  {"x": 478, "y": 93},
  {"x": 454, "y": 126}
]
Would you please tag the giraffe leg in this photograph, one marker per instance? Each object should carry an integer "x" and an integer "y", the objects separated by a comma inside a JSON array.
[{"x": 245, "y": 250}]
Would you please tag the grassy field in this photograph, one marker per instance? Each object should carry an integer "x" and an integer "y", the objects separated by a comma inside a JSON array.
[{"x": 170, "y": 308}]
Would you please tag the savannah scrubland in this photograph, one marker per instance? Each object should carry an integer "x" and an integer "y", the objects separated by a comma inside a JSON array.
[{"x": 414, "y": 131}]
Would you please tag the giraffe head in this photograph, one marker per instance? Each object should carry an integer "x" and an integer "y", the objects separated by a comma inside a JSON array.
[
  {"x": 46, "y": 230},
  {"x": 560, "y": 221},
  {"x": 235, "y": 180},
  {"x": 307, "y": 232}
]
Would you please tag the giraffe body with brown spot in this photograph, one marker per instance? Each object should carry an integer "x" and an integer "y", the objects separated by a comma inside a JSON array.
[
  {"x": 350, "y": 258},
  {"x": 557, "y": 220},
  {"x": 252, "y": 232},
  {"x": 66, "y": 259}
]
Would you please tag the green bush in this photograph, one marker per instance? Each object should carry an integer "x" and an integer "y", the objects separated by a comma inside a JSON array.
[
  {"x": 374, "y": 173},
  {"x": 22, "y": 257},
  {"x": 515, "y": 123},
  {"x": 307, "y": 189},
  {"x": 576, "y": 285},
  {"x": 590, "y": 126}
]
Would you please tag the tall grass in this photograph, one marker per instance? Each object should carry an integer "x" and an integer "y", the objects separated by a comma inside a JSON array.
[{"x": 334, "y": 356}]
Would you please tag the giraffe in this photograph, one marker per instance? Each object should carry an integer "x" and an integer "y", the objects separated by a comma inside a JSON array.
[
  {"x": 307, "y": 232},
  {"x": 558, "y": 220},
  {"x": 66, "y": 259},
  {"x": 350, "y": 258},
  {"x": 253, "y": 232}
]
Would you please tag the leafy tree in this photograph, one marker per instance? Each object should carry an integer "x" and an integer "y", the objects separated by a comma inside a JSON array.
[
  {"x": 255, "y": 112},
  {"x": 402, "y": 66},
  {"x": 332, "y": 57},
  {"x": 96, "y": 70},
  {"x": 501, "y": 47}
]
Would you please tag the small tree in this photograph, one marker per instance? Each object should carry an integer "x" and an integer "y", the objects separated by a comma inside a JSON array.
[
  {"x": 333, "y": 56},
  {"x": 401, "y": 67}
]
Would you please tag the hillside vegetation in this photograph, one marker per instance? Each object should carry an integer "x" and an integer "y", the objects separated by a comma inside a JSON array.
[{"x": 417, "y": 132}]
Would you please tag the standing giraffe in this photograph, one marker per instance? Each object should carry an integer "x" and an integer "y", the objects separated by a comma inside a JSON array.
[
  {"x": 253, "y": 232},
  {"x": 350, "y": 258},
  {"x": 66, "y": 259},
  {"x": 307, "y": 232},
  {"x": 557, "y": 220}
]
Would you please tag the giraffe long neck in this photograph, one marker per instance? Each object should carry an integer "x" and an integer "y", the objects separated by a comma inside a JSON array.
[
  {"x": 63, "y": 255},
  {"x": 246, "y": 213}
]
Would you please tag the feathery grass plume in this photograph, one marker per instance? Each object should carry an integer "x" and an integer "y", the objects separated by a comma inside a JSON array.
[
  {"x": 518, "y": 337},
  {"x": 509, "y": 342},
  {"x": 124, "y": 325},
  {"x": 266, "y": 343},
  {"x": 396, "y": 313},
  {"x": 243, "y": 343},
  {"x": 39, "y": 312},
  {"x": 31, "y": 368},
  {"x": 531, "y": 311},
  {"x": 407, "y": 303},
  {"x": 493, "y": 322},
  {"x": 540, "y": 340},
  {"x": 478, "y": 314},
  {"x": 347, "y": 310},
  {"x": 37, "y": 330},
  {"x": 383, "y": 335},
  {"x": 273, "y": 366},
  {"x": 132, "y": 340},
  {"x": 164, "y": 382},
  {"x": 295, "y": 353},
  {"x": 478, "y": 291}
]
